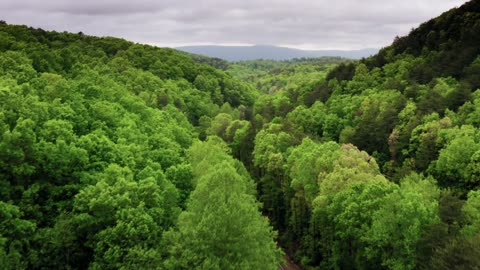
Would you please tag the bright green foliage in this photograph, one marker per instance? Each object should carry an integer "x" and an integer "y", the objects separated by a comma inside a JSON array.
[
  {"x": 400, "y": 136},
  {"x": 310, "y": 162},
  {"x": 318, "y": 173},
  {"x": 457, "y": 164},
  {"x": 351, "y": 166},
  {"x": 423, "y": 141},
  {"x": 93, "y": 134},
  {"x": 219, "y": 125},
  {"x": 306, "y": 164},
  {"x": 99, "y": 155},
  {"x": 358, "y": 219},
  {"x": 270, "y": 155},
  {"x": 15, "y": 233},
  {"x": 362, "y": 80},
  {"x": 240, "y": 135},
  {"x": 214, "y": 150},
  {"x": 271, "y": 147},
  {"x": 272, "y": 76},
  {"x": 379, "y": 223},
  {"x": 351, "y": 214},
  {"x": 470, "y": 111},
  {"x": 288, "y": 83},
  {"x": 377, "y": 114},
  {"x": 222, "y": 227},
  {"x": 471, "y": 210},
  {"x": 124, "y": 218},
  {"x": 181, "y": 176},
  {"x": 413, "y": 107},
  {"x": 312, "y": 120},
  {"x": 340, "y": 114},
  {"x": 398, "y": 225}
]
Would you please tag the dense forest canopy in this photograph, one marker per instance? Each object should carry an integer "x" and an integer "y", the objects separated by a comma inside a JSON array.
[{"x": 116, "y": 155}]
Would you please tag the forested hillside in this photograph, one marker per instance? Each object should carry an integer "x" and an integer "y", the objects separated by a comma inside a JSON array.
[
  {"x": 376, "y": 167},
  {"x": 269, "y": 76},
  {"x": 115, "y": 155},
  {"x": 99, "y": 155}
]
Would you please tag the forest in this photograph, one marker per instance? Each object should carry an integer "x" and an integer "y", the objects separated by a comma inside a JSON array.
[{"x": 119, "y": 155}]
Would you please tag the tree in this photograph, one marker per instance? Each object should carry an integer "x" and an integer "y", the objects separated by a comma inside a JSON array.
[
  {"x": 308, "y": 162},
  {"x": 471, "y": 210},
  {"x": 124, "y": 218},
  {"x": 222, "y": 227},
  {"x": 423, "y": 145},
  {"x": 378, "y": 114},
  {"x": 350, "y": 213},
  {"x": 399, "y": 223},
  {"x": 378, "y": 224},
  {"x": 15, "y": 236},
  {"x": 457, "y": 162},
  {"x": 219, "y": 125},
  {"x": 270, "y": 156}
]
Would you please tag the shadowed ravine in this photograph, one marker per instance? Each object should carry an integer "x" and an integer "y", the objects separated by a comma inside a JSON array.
[{"x": 289, "y": 264}]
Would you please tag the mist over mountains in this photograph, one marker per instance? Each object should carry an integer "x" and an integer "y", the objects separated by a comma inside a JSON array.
[{"x": 240, "y": 53}]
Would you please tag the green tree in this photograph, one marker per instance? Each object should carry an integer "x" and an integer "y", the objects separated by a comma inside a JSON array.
[
  {"x": 15, "y": 236},
  {"x": 471, "y": 210},
  {"x": 222, "y": 227},
  {"x": 123, "y": 218},
  {"x": 457, "y": 161}
]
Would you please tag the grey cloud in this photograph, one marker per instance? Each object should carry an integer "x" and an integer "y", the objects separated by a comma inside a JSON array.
[
  {"x": 88, "y": 7},
  {"x": 343, "y": 24}
]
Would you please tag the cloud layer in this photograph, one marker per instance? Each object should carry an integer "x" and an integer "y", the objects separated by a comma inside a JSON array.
[{"x": 318, "y": 24}]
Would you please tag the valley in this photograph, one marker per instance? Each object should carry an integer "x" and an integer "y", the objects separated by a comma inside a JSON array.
[{"x": 122, "y": 155}]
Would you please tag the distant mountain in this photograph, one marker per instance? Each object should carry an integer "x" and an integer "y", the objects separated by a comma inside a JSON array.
[{"x": 240, "y": 53}]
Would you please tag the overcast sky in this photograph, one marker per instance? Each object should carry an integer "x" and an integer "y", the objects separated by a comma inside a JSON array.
[{"x": 308, "y": 24}]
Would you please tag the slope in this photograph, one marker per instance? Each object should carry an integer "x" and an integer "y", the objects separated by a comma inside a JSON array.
[
  {"x": 97, "y": 138},
  {"x": 376, "y": 166}
]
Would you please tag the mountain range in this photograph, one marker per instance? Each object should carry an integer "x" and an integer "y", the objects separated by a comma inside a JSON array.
[{"x": 241, "y": 53}]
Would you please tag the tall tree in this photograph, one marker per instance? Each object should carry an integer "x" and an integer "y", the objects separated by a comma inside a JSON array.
[{"x": 222, "y": 227}]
